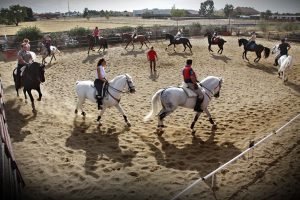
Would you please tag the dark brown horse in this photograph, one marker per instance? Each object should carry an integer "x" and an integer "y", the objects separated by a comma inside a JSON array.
[
  {"x": 92, "y": 41},
  {"x": 257, "y": 49},
  {"x": 127, "y": 37},
  {"x": 182, "y": 40},
  {"x": 31, "y": 79},
  {"x": 217, "y": 41}
]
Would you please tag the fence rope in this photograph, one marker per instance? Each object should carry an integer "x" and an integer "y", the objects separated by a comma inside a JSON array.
[{"x": 234, "y": 159}]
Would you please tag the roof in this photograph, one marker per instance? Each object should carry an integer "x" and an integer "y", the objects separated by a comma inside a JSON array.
[{"x": 246, "y": 11}]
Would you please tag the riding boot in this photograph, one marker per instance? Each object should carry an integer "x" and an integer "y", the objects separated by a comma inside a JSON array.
[
  {"x": 99, "y": 101},
  {"x": 197, "y": 107}
]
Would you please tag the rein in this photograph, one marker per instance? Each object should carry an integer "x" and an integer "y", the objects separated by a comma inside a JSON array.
[{"x": 117, "y": 90}]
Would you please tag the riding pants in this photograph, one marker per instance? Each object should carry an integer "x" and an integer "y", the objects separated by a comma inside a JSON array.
[{"x": 99, "y": 87}]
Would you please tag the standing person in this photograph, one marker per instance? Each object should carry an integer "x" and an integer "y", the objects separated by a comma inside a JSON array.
[
  {"x": 24, "y": 59},
  {"x": 26, "y": 41},
  {"x": 284, "y": 47},
  {"x": 47, "y": 42},
  {"x": 100, "y": 81},
  {"x": 152, "y": 57},
  {"x": 251, "y": 40},
  {"x": 96, "y": 34},
  {"x": 190, "y": 78}
]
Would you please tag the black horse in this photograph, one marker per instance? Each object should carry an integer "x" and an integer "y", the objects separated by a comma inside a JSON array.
[
  {"x": 217, "y": 41},
  {"x": 257, "y": 48},
  {"x": 182, "y": 40},
  {"x": 31, "y": 78},
  {"x": 102, "y": 42}
]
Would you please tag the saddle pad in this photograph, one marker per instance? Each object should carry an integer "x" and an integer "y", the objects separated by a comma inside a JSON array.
[{"x": 188, "y": 91}]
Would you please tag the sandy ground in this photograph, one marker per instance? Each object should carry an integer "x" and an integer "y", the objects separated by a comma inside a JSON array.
[{"x": 63, "y": 156}]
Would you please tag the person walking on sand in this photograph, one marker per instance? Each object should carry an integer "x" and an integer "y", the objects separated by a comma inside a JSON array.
[{"x": 152, "y": 58}]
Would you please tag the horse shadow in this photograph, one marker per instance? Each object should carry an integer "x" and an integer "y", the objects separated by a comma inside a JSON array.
[
  {"x": 293, "y": 86},
  {"x": 220, "y": 57},
  {"x": 90, "y": 58},
  {"x": 201, "y": 156},
  {"x": 182, "y": 54},
  {"x": 133, "y": 52},
  {"x": 98, "y": 145},
  {"x": 270, "y": 70},
  {"x": 12, "y": 111},
  {"x": 154, "y": 76}
]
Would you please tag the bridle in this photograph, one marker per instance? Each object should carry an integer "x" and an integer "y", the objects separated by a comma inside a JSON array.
[
  {"x": 131, "y": 88},
  {"x": 212, "y": 91}
]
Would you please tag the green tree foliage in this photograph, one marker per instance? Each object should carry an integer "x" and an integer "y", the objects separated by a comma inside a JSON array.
[
  {"x": 266, "y": 15},
  {"x": 18, "y": 14},
  {"x": 207, "y": 8},
  {"x": 79, "y": 31},
  {"x": 29, "y": 14},
  {"x": 228, "y": 10},
  {"x": 85, "y": 12},
  {"x": 177, "y": 13},
  {"x": 32, "y": 33}
]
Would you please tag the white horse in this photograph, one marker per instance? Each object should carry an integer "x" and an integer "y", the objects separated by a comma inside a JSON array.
[
  {"x": 87, "y": 90},
  {"x": 45, "y": 54},
  {"x": 173, "y": 97},
  {"x": 285, "y": 63}
]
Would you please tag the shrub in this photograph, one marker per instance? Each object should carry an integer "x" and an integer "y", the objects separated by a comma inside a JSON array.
[
  {"x": 32, "y": 33},
  {"x": 263, "y": 26},
  {"x": 195, "y": 29},
  {"x": 125, "y": 29},
  {"x": 79, "y": 32}
]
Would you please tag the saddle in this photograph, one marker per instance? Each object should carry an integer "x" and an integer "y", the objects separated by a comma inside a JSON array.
[
  {"x": 104, "y": 90},
  {"x": 190, "y": 93},
  {"x": 215, "y": 40},
  {"x": 252, "y": 46}
]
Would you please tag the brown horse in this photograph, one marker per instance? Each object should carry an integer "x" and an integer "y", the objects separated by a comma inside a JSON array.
[
  {"x": 217, "y": 41},
  {"x": 127, "y": 37},
  {"x": 99, "y": 40}
]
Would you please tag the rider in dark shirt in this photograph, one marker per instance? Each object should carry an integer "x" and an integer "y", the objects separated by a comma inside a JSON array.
[{"x": 283, "y": 48}]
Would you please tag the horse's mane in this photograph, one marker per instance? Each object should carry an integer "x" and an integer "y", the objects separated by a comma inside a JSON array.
[{"x": 120, "y": 76}]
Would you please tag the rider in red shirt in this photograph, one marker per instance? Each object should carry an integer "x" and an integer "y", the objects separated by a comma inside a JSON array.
[
  {"x": 152, "y": 57},
  {"x": 190, "y": 78},
  {"x": 96, "y": 34}
]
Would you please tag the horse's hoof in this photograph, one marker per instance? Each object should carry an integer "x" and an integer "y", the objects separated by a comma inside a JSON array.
[
  {"x": 83, "y": 114},
  {"x": 39, "y": 99},
  {"x": 76, "y": 111},
  {"x": 193, "y": 132},
  {"x": 34, "y": 111},
  {"x": 214, "y": 127},
  {"x": 159, "y": 132},
  {"x": 128, "y": 124}
]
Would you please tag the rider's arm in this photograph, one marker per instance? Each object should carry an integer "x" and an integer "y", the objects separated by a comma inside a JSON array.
[{"x": 20, "y": 59}]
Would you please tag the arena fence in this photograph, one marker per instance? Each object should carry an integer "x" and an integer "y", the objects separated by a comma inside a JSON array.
[
  {"x": 11, "y": 181},
  {"x": 251, "y": 147}
]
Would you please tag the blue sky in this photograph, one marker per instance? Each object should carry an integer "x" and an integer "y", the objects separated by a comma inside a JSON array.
[{"x": 281, "y": 6}]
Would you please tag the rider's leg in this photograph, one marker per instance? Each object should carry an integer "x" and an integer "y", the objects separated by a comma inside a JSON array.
[
  {"x": 199, "y": 100},
  {"x": 98, "y": 84},
  {"x": 276, "y": 60}
]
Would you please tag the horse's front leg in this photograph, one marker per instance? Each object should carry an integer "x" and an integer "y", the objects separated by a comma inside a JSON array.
[
  {"x": 100, "y": 115},
  {"x": 193, "y": 123},
  {"x": 24, "y": 91},
  {"x": 120, "y": 109},
  {"x": 141, "y": 45},
  {"x": 245, "y": 52},
  {"x": 127, "y": 44},
  {"x": 184, "y": 47},
  {"x": 168, "y": 46},
  {"x": 174, "y": 48},
  {"x": 52, "y": 58},
  {"x": 209, "y": 117},
  {"x": 40, "y": 93},
  {"x": 32, "y": 101}
]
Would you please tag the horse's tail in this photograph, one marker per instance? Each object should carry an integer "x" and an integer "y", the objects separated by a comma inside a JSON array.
[
  {"x": 154, "y": 104},
  {"x": 267, "y": 52}
]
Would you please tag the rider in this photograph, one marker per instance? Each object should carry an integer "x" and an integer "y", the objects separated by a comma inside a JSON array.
[
  {"x": 100, "y": 80},
  {"x": 24, "y": 59},
  {"x": 251, "y": 40},
  {"x": 214, "y": 36},
  {"x": 27, "y": 43},
  {"x": 47, "y": 43},
  {"x": 283, "y": 48},
  {"x": 178, "y": 34},
  {"x": 96, "y": 34},
  {"x": 134, "y": 33},
  {"x": 190, "y": 78}
]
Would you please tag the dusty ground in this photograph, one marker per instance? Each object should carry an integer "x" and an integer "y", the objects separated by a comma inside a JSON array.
[{"x": 62, "y": 156}]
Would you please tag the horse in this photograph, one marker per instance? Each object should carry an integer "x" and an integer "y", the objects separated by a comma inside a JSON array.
[
  {"x": 217, "y": 41},
  {"x": 87, "y": 90},
  {"x": 127, "y": 37},
  {"x": 258, "y": 49},
  {"x": 182, "y": 40},
  {"x": 99, "y": 40},
  {"x": 31, "y": 78},
  {"x": 285, "y": 63},
  {"x": 172, "y": 97},
  {"x": 45, "y": 54}
]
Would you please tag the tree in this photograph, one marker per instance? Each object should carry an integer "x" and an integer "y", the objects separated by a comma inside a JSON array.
[
  {"x": 266, "y": 15},
  {"x": 29, "y": 14},
  {"x": 177, "y": 13},
  {"x": 228, "y": 10},
  {"x": 85, "y": 12},
  {"x": 207, "y": 8},
  {"x": 17, "y": 14}
]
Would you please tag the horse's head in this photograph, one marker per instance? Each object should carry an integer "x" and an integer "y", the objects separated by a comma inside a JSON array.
[
  {"x": 275, "y": 49},
  {"x": 130, "y": 85},
  {"x": 208, "y": 34},
  {"x": 242, "y": 41},
  {"x": 212, "y": 85},
  {"x": 37, "y": 71},
  {"x": 169, "y": 36}
]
